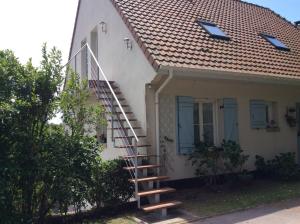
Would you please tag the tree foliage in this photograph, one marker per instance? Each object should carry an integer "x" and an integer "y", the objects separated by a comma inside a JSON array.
[{"x": 43, "y": 168}]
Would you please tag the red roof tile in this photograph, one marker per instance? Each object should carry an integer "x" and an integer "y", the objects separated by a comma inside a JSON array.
[{"x": 168, "y": 33}]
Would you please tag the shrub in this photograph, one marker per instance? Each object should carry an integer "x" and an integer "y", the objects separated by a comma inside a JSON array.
[
  {"x": 211, "y": 161},
  {"x": 234, "y": 159},
  {"x": 110, "y": 184},
  {"x": 208, "y": 162},
  {"x": 283, "y": 167}
]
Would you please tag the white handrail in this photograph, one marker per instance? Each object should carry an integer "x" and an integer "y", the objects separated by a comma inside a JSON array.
[{"x": 111, "y": 89}]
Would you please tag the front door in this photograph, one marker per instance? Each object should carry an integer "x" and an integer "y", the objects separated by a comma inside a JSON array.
[{"x": 298, "y": 130}]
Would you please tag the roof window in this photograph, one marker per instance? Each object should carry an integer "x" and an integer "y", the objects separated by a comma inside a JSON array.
[
  {"x": 213, "y": 30},
  {"x": 275, "y": 42}
]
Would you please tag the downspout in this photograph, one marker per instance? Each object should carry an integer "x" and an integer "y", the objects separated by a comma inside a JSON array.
[{"x": 157, "y": 114}]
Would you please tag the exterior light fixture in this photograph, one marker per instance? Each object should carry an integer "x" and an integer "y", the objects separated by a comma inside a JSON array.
[
  {"x": 128, "y": 43},
  {"x": 103, "y": 27}
]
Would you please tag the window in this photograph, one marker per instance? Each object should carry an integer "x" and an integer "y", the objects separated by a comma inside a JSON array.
[
  {"x": 203, "y": 123},
  {"x": 213, "y": 30},
  {"x": 263, "y": 114},
  {"x": 195, "y": 123},
  {"x": 275, "y": 42},
  {"x": 271, "y": 115}
]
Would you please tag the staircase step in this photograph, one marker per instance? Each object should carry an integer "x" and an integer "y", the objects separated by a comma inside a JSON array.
[
  {"x": 108, "y": 92},
  {"x": 156, "y": 191},
  {"x": 126, "y": 112},
  {"x": 127, "y": 128},
  {"x": 123, "y": 120},
  {"x": 139, "y": 156},
  {"x": 126, "y": 137},
  {"x": 115, "y": 105},
  {"x": 93, "y": 83},
  {"x": 130, "y": 146},
  {"x": 108, "y": 98},
  {"x": 142, "y": 167},
  {"x": 148, "y": 179},
  {"x": 161, "y": 205}
]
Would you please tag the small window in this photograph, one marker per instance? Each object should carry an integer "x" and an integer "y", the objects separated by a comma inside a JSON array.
[
  {"x": 213, "y": 30},
  {"x": 271, "y": 114},
  {"x": 275, "y": 42},
  {"x": 264, "y": 114}
]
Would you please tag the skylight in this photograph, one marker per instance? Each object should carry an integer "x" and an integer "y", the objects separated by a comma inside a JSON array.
[
  {"x": 275, "y": 42},
  {"x": 213, "y": 30}
]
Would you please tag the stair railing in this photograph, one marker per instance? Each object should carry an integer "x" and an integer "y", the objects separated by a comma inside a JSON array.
[{"x": 130, "y": 147}]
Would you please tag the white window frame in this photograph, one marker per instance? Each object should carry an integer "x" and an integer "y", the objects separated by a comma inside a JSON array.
[{"x": 214, "y": 103}]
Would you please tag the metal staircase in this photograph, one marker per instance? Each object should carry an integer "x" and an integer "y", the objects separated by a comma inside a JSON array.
[{"x": 127, "y": 138}]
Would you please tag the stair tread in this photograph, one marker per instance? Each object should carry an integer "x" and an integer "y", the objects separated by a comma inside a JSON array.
[
  {"x": 130, "y": 119},
  {"x": 127, "y": 146},
  {"x": 147, "y": 179},
  {"x": 127, "y": 128},
  {"x": 119, "y": 112},
  {"x": 139, "y": 156},
  {"x": 161, "y": 205},
  {"x": 141, "y": 136},
  {"x": 115, "y": 105},
  {"x": 108, "y": 91},
  {"x": 107, "y": 98},
  {"x": 156, "y": 191},
  {"x": 142, "y": 167}
]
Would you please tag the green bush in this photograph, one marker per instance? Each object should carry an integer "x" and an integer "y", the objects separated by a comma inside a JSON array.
[
  {"x": 283, "y": 167},
  {"x": 110, "y": 184},
  {"x": 234, "y": 159},
  {"x": 212, "y": 161}
]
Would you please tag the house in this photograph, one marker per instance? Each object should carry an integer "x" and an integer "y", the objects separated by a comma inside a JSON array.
[{"x": 186, "y": 71}]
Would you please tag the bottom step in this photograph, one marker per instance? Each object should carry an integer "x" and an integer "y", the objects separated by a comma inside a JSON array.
[{"x": 161, "y": 205}]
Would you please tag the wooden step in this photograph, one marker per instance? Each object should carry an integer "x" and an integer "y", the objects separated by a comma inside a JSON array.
[
  {"x": 115, "y": 105},
  {"x": 126, "y": 112},
  {"x": 108, "y": 92},
  {"x": 108, "y": 98},
  {"x": 139, "y": 156},
  {"x": 126, "y": 137},
  {"x": 131, "y": 146},
  {"x": 156, "y": 191},
  {"x": 148, "y": 179},
  {"x": 123, "y": 120},
  {"x": 127, "y": 128},
  {"x": 161, "y": 205},
  {"x": 143, "y": 167}
]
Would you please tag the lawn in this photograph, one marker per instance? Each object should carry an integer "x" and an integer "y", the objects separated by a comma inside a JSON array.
[
  {"x": 126, "y": 219},
  {"x": 205, "y": 203}
]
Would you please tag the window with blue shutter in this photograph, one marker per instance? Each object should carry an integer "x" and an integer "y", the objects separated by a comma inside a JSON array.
[
  {"x": 185, "y": 124},
  {"x": 230, "y": 119},
  {"x": 258, "y": 114}
]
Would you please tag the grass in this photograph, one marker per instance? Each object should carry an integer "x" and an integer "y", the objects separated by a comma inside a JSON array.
[
  {"x": 205, "y": 203},
  {"x": 126, "y": 219}
]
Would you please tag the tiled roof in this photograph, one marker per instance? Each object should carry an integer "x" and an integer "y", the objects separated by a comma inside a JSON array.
[{"x": 167, "y": 32}]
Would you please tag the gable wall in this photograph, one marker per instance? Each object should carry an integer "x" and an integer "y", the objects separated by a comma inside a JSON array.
[{"x": 129, "y": 68}]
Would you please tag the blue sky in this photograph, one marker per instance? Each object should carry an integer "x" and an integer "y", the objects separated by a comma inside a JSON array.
[{"x": 290, "y": 9}]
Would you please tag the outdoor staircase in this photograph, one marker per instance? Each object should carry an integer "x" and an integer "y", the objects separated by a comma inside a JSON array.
[
  {"x": 142, "y": 167},
  {"x": 144, "y": 173}
]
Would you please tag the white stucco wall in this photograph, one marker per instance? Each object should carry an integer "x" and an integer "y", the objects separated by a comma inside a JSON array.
[
  {"x": 129, "y": 68},
  {"x": 253, "y": 142}
]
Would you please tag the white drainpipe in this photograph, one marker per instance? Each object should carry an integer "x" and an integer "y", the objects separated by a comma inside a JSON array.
[{"x": 157, "y": 114}]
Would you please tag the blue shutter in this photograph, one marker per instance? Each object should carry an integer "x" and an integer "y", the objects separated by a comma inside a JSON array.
[
  {"x": 185, "y": 124},
  {"x": 230, "y": 120},
  {"x": 258, "y": 114}
]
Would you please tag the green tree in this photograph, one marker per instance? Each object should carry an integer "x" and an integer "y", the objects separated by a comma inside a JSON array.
[{"x": 42, "y": 166}]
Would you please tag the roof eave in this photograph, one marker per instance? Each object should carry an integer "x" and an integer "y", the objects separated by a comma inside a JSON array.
[{"x": 227, "y": 74}]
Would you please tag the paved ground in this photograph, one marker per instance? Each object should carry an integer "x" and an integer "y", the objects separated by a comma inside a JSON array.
[{"x": 287, "y": 212}]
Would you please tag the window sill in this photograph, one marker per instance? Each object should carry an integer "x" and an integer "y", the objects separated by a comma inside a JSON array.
[{"x": 275, "y": 129}]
